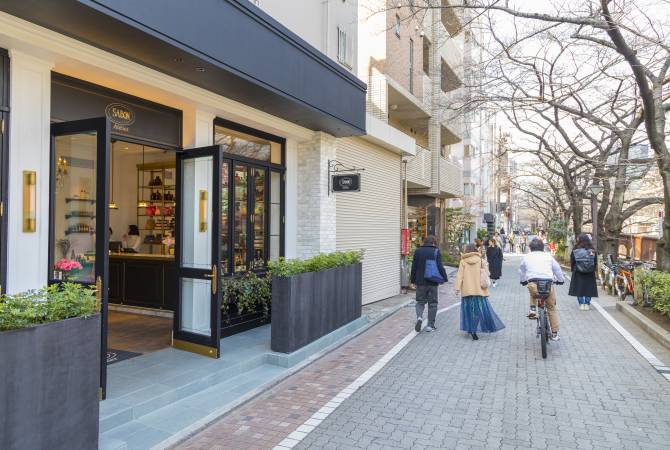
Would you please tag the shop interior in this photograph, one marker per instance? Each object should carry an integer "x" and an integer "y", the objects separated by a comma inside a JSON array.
[{"x": 142, "y": 199}]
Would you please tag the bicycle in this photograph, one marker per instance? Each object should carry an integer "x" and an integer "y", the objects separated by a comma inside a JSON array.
[{"x": 543, "y": 330}]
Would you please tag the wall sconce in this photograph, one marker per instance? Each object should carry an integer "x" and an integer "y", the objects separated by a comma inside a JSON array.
[
  {"x": 29, "y": 201},
  {"x": 203, "y": 211}
]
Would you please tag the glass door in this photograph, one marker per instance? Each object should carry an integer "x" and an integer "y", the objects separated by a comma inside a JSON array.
[
  {"x": 79, "y": 218},
  {"x": 197, "y": 319}
]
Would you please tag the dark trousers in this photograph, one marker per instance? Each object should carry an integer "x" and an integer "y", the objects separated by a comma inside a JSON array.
[{"x": 426, "y": 294}]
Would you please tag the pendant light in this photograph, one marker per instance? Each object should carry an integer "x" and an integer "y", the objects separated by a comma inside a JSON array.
[
  {"x": 112, "y": 203},
  {"x": 141, "y": 202}
]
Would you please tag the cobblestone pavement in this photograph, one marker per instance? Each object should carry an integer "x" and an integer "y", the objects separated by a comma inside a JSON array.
[
  {"x": 444, "y": 390},
  {"x": 269, "y": 418}
]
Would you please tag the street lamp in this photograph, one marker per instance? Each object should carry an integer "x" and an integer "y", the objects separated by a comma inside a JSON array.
[{"x": 596, "y": 188}]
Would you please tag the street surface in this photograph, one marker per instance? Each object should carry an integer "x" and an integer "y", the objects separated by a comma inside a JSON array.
[
  {"x": 446, "y": 391},
  {"x": 443, "y": 390}
]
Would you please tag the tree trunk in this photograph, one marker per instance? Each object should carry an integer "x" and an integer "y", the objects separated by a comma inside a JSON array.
[
  {"x": 663, "y": 246},
  {"x": 577, "y": 220}
]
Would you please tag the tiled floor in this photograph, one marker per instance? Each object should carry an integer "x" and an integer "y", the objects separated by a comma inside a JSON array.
[{"x": 139, "y": 333}]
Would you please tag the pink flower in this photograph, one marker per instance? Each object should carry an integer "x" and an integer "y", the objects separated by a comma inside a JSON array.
[{"x": 67, "y": 265}]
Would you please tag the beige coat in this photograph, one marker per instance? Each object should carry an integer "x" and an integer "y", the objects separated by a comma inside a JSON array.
[{"x": 468, "y": 280}]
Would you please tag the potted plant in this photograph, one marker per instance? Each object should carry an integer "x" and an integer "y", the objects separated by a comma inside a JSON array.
[
  {"x": 312, "y": 297},
  {"x": 50, "y": 370}
]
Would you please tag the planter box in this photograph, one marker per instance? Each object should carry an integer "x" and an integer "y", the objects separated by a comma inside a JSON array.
[
  {"x": 49, "y": 379},
  {"x": 310, "y": 305}
]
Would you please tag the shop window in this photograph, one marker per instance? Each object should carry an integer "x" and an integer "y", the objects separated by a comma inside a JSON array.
[{"x": 252, "y": 197}]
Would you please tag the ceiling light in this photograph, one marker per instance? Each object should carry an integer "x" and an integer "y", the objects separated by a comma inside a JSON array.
[
  {"x": 199, "y": 69},
  {"x": 394, "y": 107}
]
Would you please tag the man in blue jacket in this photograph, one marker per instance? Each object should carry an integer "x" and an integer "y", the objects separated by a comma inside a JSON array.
[{"x": 426, "y": 291}]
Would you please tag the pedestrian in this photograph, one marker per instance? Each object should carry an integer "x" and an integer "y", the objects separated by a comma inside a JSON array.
[
  {"x": 522, "y": 240},
  {"x": 426, "y": 290},
  {"x": 583, "y": 263},
  {"x": 477, "y": 315},
  {"x": 494, "y": 256},
  {"x": 479, "y": 244}
]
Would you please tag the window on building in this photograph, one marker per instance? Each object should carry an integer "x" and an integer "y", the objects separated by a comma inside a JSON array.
[
  {"x": 411, "y": 66},
  {"x": 344, "y": 48},
  {"x": 397, "y": 25},
  {"x": 252, "y": 195},
  {"x": 468, "y": 189},
  {"x": 467, "y": 151}
]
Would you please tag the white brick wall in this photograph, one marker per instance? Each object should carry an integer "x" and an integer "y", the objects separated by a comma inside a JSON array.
[{"x": 317, "y": 219}]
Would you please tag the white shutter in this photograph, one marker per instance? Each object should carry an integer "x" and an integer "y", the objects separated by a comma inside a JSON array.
[{"x": 370, "y": 219}]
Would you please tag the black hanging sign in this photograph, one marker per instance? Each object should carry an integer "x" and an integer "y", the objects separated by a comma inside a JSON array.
[
  {"x": 345, "y": 179},
  {"x": 347, "y": 183}
]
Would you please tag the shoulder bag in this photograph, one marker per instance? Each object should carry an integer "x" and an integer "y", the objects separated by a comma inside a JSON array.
[{"x": 431, "y": 272}]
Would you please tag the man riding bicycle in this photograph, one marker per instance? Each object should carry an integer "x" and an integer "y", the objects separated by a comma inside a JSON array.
[{"x": 539, "y": 265}]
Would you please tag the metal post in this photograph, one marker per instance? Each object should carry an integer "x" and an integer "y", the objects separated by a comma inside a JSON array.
[{"x": 594, "y": 220}]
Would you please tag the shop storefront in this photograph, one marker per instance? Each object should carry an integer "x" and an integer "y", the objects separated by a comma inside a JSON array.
[
  {"x": 156, "y": 167},
  {"x": 151, "y": 225}
]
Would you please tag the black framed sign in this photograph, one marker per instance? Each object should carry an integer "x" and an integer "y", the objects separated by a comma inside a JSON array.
[{"x": 347, "y": 183}]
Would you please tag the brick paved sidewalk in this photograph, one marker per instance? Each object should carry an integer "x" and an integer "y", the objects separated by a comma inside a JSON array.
[
  {"x": 446, "y": 391},
  {"x": 269, "y": 418}
]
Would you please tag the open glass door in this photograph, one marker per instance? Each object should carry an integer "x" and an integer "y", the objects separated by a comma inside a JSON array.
[
  {"x": 197, "y": 318},
  {"x": 79, "y": 218}
]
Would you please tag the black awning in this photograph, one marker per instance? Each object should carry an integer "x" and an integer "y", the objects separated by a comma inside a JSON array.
[{"x": 229, "y": 47}]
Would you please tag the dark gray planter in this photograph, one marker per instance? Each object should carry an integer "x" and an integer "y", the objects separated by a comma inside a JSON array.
[
  {"x": 49, "y": 379},
  {"x": 310, "y": 305}
]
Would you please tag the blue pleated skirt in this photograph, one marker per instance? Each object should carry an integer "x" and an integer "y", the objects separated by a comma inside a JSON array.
[{"x": 477, "y": 315}]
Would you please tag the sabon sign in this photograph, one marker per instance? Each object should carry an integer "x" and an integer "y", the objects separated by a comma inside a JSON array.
[{"x": 121, "y": 116}]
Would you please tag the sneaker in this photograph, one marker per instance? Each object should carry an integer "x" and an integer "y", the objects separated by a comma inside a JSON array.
[
  {"x": 555, "y": 336},
  {"x": 429, "y": 329},
  {"x": 587, "y": 307},
  {"x": 493, "y": 284},
  {"x": 582, "y": 307},
  {"x": 417, "y": 326},
  {"x": 532, "y": 314}
]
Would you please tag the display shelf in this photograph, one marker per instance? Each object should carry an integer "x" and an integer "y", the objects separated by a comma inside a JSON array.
[
  {"x": 72, "y": 199},
  {"x": 80, "y": 216}
]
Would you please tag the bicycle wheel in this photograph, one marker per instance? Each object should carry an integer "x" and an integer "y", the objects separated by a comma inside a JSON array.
[{"x": 544, "y": 331}]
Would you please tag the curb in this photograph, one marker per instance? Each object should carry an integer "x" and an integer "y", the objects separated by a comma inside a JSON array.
[{"x": 654, "y": 330}]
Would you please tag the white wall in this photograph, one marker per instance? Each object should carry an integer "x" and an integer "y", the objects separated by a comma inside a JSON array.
[
  {"x": 316, "y": 21},
  {"x": 30, "y": 97}
]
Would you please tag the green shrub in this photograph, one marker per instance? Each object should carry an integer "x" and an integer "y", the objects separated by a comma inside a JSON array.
[
  {"x": 50, "y": 304},
  {"x": 482, "y": 233},
  {"x": 450, "y": 260},
  {"x": 318, "y": 263},
  {"x": 657, "y": 284},
  {"x": 249, "y": 293}
]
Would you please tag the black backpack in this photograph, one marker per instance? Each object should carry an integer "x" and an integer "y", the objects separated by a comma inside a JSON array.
[{"x": 585, "y": 260}]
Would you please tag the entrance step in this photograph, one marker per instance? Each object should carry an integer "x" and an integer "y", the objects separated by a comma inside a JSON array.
[{"x": 157, "y": 419}]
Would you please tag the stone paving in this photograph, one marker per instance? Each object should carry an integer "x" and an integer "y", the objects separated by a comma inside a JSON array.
[
  {"x": 446, "y": 391},
  {"x": 269, "y": 418}
]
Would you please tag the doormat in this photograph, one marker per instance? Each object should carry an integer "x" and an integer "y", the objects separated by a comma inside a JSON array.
[{"x": 119, "y": 355}]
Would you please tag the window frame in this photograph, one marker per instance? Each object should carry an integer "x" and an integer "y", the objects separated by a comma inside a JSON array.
[
  {"x": 397, "y": 26},
  {"x": 411, "y": 66},
  {"x": 252, "y": 164}
]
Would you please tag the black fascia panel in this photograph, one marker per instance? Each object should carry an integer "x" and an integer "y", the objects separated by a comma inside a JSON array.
[{"x": 229, "y": 47}]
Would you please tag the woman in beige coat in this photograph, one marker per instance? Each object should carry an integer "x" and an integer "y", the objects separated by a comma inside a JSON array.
[{"x": 477, "y": 315}]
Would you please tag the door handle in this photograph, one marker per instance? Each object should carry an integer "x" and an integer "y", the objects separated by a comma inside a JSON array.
[
  {"x": 213, "y": 277},
  {"x": 98, "y": 294}
]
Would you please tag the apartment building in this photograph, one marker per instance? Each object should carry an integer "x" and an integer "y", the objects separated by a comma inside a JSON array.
[
  {"x": 349, "y": 33},
  {"x": 413, "y": 61}
]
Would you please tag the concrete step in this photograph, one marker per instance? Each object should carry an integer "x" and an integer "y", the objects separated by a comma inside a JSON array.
[
  {"x": 176, "y": 418},
  {"x": 133, "y": 405}
]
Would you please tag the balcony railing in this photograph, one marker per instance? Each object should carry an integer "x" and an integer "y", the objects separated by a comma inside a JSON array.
[
  {"x": 418, "y": 169},
  {"x": 451, "y": 178}
]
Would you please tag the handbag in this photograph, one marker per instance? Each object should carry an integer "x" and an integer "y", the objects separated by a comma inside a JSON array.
[
  {"x": 484, "y": 279},
  {"x": 431, "y": 271}
]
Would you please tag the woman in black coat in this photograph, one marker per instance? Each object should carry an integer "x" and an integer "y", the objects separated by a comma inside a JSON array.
[
  {"x": 494, "y": 256},
  {"x": 583, "y": 284}
]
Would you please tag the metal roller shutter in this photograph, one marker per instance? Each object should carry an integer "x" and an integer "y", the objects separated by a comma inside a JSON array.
[{"x": 370, "y": 219}]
